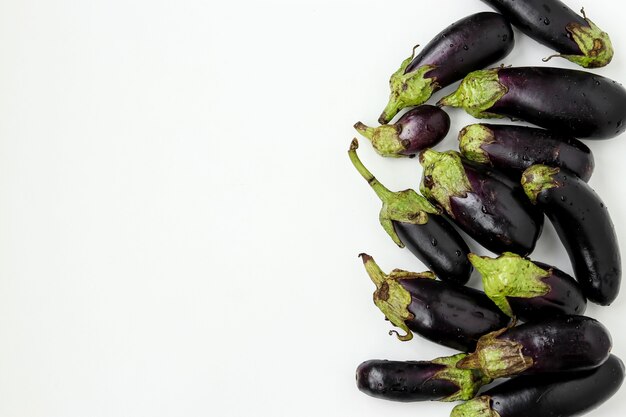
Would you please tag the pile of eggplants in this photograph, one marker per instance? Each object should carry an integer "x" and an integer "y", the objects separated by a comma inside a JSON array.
[{"x": 528, "y": 323}]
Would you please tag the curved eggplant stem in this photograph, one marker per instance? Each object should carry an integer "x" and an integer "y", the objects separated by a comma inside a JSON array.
[{"x": 383, "y": 192}]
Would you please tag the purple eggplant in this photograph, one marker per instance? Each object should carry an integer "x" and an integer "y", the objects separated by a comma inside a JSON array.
[
  {"x": 574, "y": 103},
  {"x": 583, "y": 224},
  {"x": 436, "y": 380},
  {"x": 556, "y": 344},
  {"x": 555, "y": 25},
  {"x": 513, "y": 149},
  {"x": 449, "y": 315},
  {"x": 411, "y": 221},
  {"x": 529, "y": 290},
  {"x": 486, "y": 205},
  {"x": 472, "y": 43},
  {"x": 567, "y": 394},
  {"x": 418, "y": 129}
]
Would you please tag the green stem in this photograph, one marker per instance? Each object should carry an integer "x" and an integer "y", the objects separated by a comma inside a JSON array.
[
  {"x": 373, "y": 270},
  {"x": 365, "y": 130},
  {"x": 381, "y": 191}
]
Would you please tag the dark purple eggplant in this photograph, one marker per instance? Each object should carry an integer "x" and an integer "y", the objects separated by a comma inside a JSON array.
[
  {"x": 489, "y": 207},
  {"x": 584, "y": 225},
  {"x": 558, "y": 27},
  {"x": 449, "y": 315},
  {"x": 418, "y": 129},
  {"x": 472, "y": 43},
  {"x": 413, "y": 222},
  {"x": 436, "y": 380},
  {"x": 561, "y": 395},
  {"x": 556, "y": 344},
  {"x": 575, "y": 103},
  {"x": 530, "y": 291},
  {"x": 512, "y": 149}
]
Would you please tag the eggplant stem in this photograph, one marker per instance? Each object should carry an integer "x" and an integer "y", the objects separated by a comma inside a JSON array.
[
  {"x": 381, "y": 191},
  {"x": 404, "y": 338}
]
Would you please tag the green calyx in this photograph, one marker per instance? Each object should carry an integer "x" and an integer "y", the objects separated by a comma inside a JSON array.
[
  {"x": 594, "y": 43},
  {"x": 510, "y": 275},
  {"x": 444, "y": 177},
  {"x": 497, "y": 358},
  {"x": 478, "y": 407},
  {"x": 403, "y": 206},
  {"x": 539, "y": 178},
  {"x": 469, "y": 381},
  {"x": 408, "y": 89},
  {"x": 390, "y": 297},
  {"x": 478, "y": 92},
  {"x": 385, "y": 139},
  {"x": 471, "y": 141}
]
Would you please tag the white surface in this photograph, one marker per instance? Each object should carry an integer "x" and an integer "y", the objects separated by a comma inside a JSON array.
[{"x": 179, "y": 222}]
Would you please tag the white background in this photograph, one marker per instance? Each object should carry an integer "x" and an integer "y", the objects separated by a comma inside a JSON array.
[{"x": 179, "y": 221}]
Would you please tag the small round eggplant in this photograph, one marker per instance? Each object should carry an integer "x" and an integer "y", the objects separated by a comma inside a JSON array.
[
  {"x": 421, "y": 128},
  {"x": 575, "y": 103},
  {"x": 555, "y": 25},
  {"x": 436, "y": 380},
  {"x": 567, "y": 394},
  {"x": 529, "y": 290},
  {"x": 557, "y": 344},
  {"x": 486, "y": 205},
  {"x": 413, "y": 222},
  {"x": 449, "y": 315},
  {"x": 584, "y": 226},
  {"x": 512, "y": 149},
  {"x": 470, "y": 44}
]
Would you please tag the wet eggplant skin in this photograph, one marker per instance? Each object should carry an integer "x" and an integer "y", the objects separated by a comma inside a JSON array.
[
  {"x": 565, "y": 298},
  {"x": 562, "y": 344},
  {"x": 472, "y": 43},
  {"x": 513, "y": 149},
  {"x": 566, "y": 394},
  {"x": 403, "y": 381},
  {"x": 451, "y": 316},
  {"x": 584, "y": 225},
  {"x": 423, "y": 127},
  {"x": 576, "y": 103},
  {"x": 439, "y": 246}
]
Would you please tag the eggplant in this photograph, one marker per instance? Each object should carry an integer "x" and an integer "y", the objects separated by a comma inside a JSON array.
[
  {"x": 449, "y": 315},
  {"x": 529, "y": 290},
  {"x": 472, "y": 43},
  {"x": 513, "y": 149},
  {"x": 571, "y": 102},
  {"x": 556, "y": 344},
  {"x": 418, "y": 129},
  {"x": 487, "y": 206},
  {"x": 568, "y": 394},
  {"x": 553, "y": 24},
  {"x": 584, "y": 226},
  {"x": 412, "y": 381},
  {"x": 412, "y": 222}
]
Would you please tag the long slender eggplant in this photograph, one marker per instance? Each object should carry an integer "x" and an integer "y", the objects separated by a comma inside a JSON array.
[
  {"x": 555, "y": 25},
  {"x": 452, "y": 316},
  {"x": 513, "y": 149},
  {"x": 529, "y": 290},
  {"x": 418, "y": 129},
  {"x": 557, "y": 344},
  {"x": 583, "y": 224},
  {"x": 575, "y": 103},
  {"x": 567, "y": 394},
  {"x": 472, "y": 43},
  {"x": 436, "y": 380},
  {"x": 413, "y": 222},
  {"x": 487, "y": 206}
]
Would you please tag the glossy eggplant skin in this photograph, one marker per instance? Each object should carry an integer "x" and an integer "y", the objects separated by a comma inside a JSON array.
[
  {"x": 575, "y": 103},
  {"x": 512, "y": 149},
  {"x": 565, "y": 298},
  {"x": 439, "y": 246},
  {"x": 568, "y": 394},
  {"x": 451, "y": 316},
  {"x": 585, "y": 228},
  {"x": 403, "y": 381},
  {"x": 496, "y": 213}
]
